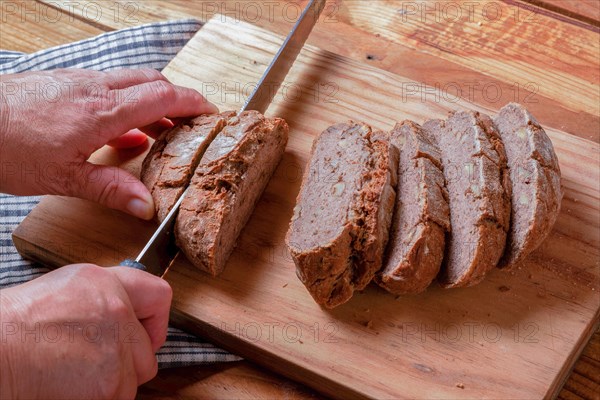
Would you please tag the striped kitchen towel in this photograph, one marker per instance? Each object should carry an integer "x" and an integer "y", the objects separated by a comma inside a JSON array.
[{"x": 147, "y": 46}]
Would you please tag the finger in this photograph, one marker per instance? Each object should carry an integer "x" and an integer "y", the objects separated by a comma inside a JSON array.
[
  {"x": 114, "y": 188},
  {"x": 137, "y": 137},
  {"x": 133, "y": 138},
  {"x": 134, "y": 333},
  {"x": 150, "y": 297},
  {"x": 145, "y": 104},
  {"x": 139, "y": 364},
  {"x": 124, "y": 78},
  {"x": 154, "y": 130},
  {"x": 143, "y": 352}
]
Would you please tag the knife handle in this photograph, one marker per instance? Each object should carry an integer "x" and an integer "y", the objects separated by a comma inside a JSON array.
[{"x": 132, "y": 264}]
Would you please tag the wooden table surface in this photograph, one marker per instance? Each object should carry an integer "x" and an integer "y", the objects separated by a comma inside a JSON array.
[{"x": 556, "y": 57}]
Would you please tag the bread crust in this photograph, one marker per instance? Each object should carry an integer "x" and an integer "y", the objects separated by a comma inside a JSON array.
[
  {"x": 536, "y": 182},
  {"x": 421, "y": 214},
  {"x": 226, "y": 186},
  {"x": 168, "y": 166},
  {"x": 356, "y": 173}
]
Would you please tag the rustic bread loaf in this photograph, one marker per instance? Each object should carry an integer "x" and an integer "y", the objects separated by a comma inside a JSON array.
[
  {"x": 169, "y": 165},
  {"x": 341, "y": 220},
  {"x": 421, "y": 214},
  {"x": 535, "y": 179},
  {"x": 476, "y": 175},
  {"x": 226, "y": 186}
]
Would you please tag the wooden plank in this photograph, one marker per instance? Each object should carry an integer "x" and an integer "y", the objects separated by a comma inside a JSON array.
[
  {"x": 119, "y": 14},
  {"x": 585, "y": 380},
  {"x": 587, "y": 11},
  {"x": 375, "y": 345},
  {"x": 29, "y": 26},
  {"x": 486, "y": 88},
  {"x": 239, "y": 380},
  {"x": 218, "y": 382},
  {"x": 515, "y": 45}
]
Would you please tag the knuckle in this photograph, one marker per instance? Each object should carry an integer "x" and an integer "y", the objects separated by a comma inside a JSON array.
[
  {"x": 147, "y": 371},
  {"x": 70, "y": 180},
  {"x": 163, "y": 91},
  {"x": 108, "y": 101},
  {"x": 84, "y": 269},
  {"x": 110, "y": 388},
  {"x": 69, "y": 188},
  {"x": 118, "y": 310},
  {"x": 151, "y": 372},
  {"x": 90, "y": 273},
  {"x": 165, "y": 290},
  {"x": 108, "y": 192},
  {"x": 152, "y": 74},
  {"x": 118, "y": 382},
  {"x": 154, "y": 369},
  {"x": 101, "y": 100}
]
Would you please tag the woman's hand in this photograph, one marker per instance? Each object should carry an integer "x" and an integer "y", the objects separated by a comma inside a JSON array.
[
  {"x": 51, "y": 122},
  {"x": 82, "y": 332}
]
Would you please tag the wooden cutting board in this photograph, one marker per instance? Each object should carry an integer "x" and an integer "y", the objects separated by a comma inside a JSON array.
[{"x": 515, "y": 335}]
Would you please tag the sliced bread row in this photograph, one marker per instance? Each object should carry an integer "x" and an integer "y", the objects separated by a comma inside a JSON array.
[
  {"x": 227, "y": 160},
  {"x": 472, "y": 194}
]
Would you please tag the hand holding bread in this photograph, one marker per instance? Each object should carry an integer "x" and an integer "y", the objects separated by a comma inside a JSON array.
[{"x": 52, "y": 121}]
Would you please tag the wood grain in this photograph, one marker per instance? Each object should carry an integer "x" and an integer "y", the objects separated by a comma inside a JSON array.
[
  {"x": 220, "y": 381},
  {"x": 342, "y": 20},
  {"x": 512, "y": 38},
  {"x": 587, "y": 11},
  {"x": 376, "y": 345},
  {"x": 29, "y": 26},
  {"x": 239, "y": 380},
  {"x": 583, "y": 383}
]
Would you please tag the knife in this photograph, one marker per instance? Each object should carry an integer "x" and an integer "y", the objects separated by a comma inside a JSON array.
[{"x": 160, "y": 251}]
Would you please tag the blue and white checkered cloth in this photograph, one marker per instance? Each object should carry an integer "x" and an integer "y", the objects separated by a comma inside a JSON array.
[{"x": 147, "y": 46}]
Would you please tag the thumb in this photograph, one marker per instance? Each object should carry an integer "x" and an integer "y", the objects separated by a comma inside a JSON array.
[{"x": 114, "y": 188}]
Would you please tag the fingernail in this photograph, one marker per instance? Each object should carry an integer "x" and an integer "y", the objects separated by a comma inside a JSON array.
[
  {"x": 213, "y": 109},
  {"x": 141, "y": 208}
]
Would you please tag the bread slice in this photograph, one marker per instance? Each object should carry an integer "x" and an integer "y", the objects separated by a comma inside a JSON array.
[
  {"x": 343, "y": 212},
  {"x": 535, "y": 179},
  {"x": 226, "y": 186},
  {"x": 421, "y": 215},
  {"x": 476, "y": 176},
  {"x": 173, "y": 157}
]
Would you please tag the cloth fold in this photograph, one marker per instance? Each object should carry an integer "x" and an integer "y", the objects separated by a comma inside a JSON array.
[{"x": 146, "y": 46}]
